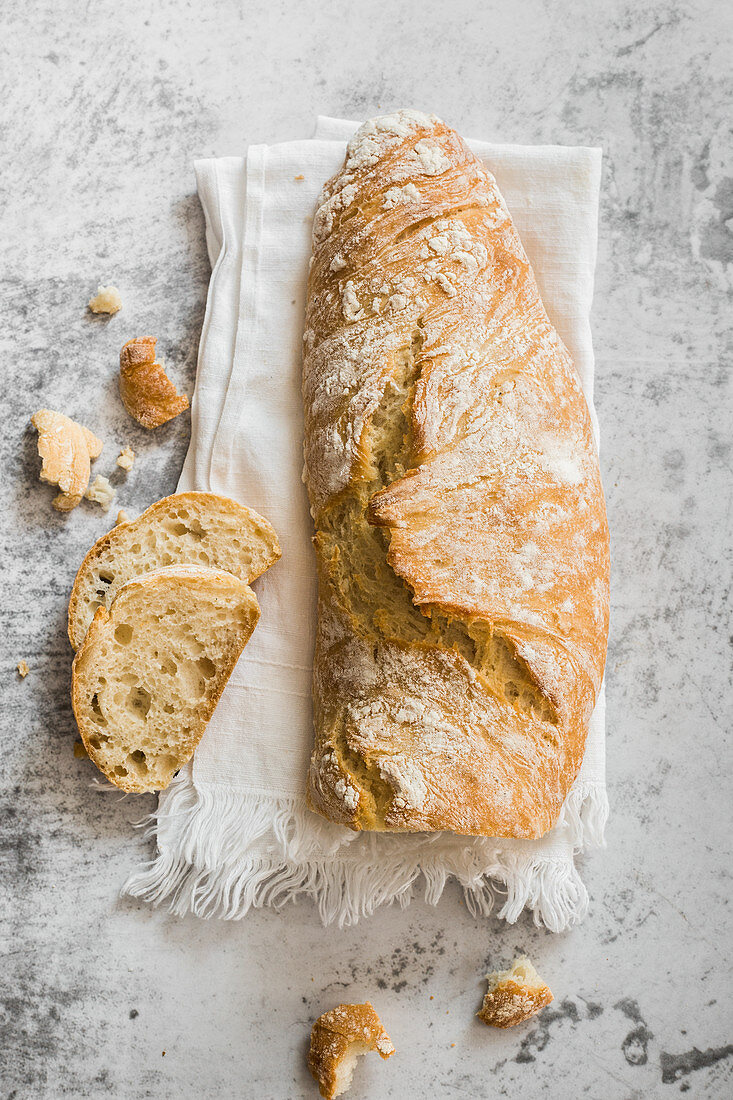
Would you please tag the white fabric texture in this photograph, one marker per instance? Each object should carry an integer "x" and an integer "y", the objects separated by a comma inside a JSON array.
[{"x": 233, "y": 830}]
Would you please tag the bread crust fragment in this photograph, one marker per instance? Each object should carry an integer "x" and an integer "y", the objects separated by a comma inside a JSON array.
[
  {"x": 514, "y": 995},
  {"x": 344, "y": 1031},
  {"x": 66, "y": 449},
  {"x": 461, "y": 534},
  {"x": 146, "y": 391}
]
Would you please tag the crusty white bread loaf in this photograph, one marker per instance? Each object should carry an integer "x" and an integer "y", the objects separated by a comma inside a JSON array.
[
  {"x": 461, "y": 533},
  {"x": 196, "y": 528},
  {"x": 338, "y": 1039},
  {"x": 514, "y": 995},
  {"x": 151, "y": 669}
]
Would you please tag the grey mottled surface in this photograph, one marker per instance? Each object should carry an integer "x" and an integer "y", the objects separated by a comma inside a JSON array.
[{"x": 104, "y": 107}]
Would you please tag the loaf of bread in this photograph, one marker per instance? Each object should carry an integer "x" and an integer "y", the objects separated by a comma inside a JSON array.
[
  {"x": 461, "y": 533},
  {"x": 187, "y": 528},
  {"x": 151, "y": 669}
]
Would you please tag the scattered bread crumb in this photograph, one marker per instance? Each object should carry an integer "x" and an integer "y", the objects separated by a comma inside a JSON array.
[
  {"x": 80, "y": 753},
  {"x": 106, "y": 300},
  {"x": 66, "y": 449},
  {"x": 126, "y": 458},
  {"x": 299, "y": 178},
  {"x": 514, "y": 995},
  {"x": 101, "y": 492},
  {"x": 146, "y": 391},
  {"x": 23, "y": 669},
  {"x": 338, "y": 1038},
  {"x": 122, "y": 517}
]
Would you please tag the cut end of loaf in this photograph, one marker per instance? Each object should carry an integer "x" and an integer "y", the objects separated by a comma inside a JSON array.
[{"x": 151, "y": 670}]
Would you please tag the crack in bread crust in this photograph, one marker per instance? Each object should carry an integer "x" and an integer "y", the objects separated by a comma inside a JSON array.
[{"x": 460, "y": 528}]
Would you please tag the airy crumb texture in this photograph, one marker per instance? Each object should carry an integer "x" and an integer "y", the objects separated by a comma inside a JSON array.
[
  {"x": 192, "y": 528},
  {"x": 23, "y": 669},
  {"x": 514, "y": 995},
  {"x": 101, "y": 492},
  {"x": 151, "y": 670},
  {"x": 106, "y": 300},
  {"x": 66, "y": 449},
  {"x": 126, "y": 458},
  {"x": 338, "y": 1039},
  {"x": 146, "y": 391}
]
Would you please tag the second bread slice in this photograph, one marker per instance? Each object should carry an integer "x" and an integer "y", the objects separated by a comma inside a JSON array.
[
  {"x": 151, "y": 670},
  {"x": 202, "y": 529}
]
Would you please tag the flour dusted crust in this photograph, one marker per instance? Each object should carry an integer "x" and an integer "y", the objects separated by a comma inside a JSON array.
[
  {"x": 338, "y": 1038},
  {"x": 461, "y": 532}
]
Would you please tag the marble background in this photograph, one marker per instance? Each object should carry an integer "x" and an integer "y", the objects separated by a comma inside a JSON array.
[{"x": 104, "y": 107}]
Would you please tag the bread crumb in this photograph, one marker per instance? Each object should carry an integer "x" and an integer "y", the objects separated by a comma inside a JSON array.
[
  {"x": 23, "y": 669},
  {"x": 80, "y": 753},
  {"x": 299, "y": 178},
  {"x": 122, "y": 517},
  {"x": 146, "y": 391},
  {"x": 66, "y": 449},
  {"x": 106, "y": 300},
  {"x": 514, "y": 995},
  {"x": 101, "y": 492},
  {"x": 338, "y": 1038},
  {"x": 126, "y": 458}
]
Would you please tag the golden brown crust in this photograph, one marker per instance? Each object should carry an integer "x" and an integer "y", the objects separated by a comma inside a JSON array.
[
  {"x": 514, "y": 996},
  {"x": 65, "y": 448},
  {"x": 146, "y": 391},
  {"x": 462, "y": 541},
  {"x": 332, "y": 1036}
]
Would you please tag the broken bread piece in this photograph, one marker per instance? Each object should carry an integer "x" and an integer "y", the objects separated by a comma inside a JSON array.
[
  {"x": 338, "y": 1038},
  {"x": 66, "y": 449},
  {"x": 514, "y": 995},
  {"x": 196, "y": 528},
  {"x": 106, "y": 300},
  {"x": 126, "y": 459},
  {"x": 146, "y": 391},
  {"x": 102, "y": 492},
  {"x": 151, "y": 670}
]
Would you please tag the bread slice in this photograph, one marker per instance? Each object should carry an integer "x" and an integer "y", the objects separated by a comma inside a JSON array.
[
  {"x": 151, "y": 669},
  {"x": 196, "y": 528}
]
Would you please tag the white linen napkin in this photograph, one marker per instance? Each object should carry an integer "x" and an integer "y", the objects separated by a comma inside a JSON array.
[{"x": 233, "y": 830}]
